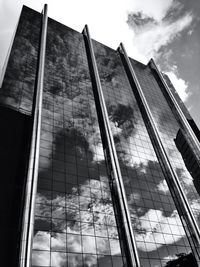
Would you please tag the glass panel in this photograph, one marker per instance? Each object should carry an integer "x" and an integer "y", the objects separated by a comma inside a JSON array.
[
  {"x": 104, "y": 261},
  {"x": 40, "y": 258},
  {"x": 89, "y": 244},
  {"x": 58, "y": 259},
  {"x": 103, "y": 246},
  {"x": 41, "y": 241},
  {"x": 75, "y": 260},
  {"x": 90, "y": 260},
  {"x": 118, "y": 262},
  {"x": 74, "y": 243},
  {"x": 19, "y": 81},
  {"x": 58, "y": 242}
]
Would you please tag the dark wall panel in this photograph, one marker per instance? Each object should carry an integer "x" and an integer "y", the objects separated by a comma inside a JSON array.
[{"x": 14, "y": 137}]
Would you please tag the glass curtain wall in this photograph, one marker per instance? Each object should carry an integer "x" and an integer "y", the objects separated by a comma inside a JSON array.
[
  {"x": 75, "y": 222},
  {"x": 168, "y": 127},
  {"x": 157, "y": 227}
]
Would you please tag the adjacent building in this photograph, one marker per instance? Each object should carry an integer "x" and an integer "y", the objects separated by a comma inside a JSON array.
[{"x": 99, "y": 156}]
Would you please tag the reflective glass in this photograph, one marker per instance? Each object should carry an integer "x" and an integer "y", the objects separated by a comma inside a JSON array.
[
  {"x": 58, "y": 259},
  {"x": 155, "y": 220},
  {"x": 19, "y": 80},
  {"x": 89, "y": 244},
  {"x": 74, "y": 202}
]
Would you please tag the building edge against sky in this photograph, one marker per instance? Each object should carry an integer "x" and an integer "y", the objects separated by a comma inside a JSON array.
[{"x": 100, "y": 157}]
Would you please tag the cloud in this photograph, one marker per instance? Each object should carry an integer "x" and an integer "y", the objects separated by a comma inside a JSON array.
[
  {"x": 40, "y": 258},
  {"x": 171, "y": 69},
  {"x": 156, "y": 9},
  {"x": 103, "y": 211},
  {"x": 153, "y": 35},
  {"x": 180, "y": 85},
  {"x": 41, "y": 241},
  {"x": 162, "y": 187},
  {"x": 58, "y": 259},
  {"x": 158, "y": 230},
  {"x": 156, "y": 24}
]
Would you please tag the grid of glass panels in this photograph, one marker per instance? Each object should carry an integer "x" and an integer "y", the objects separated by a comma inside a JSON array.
[
  {"x": 75, "y": 223},
  {"x": 157, "y": 227},
  {"x": 168, "y": 128},
  {"x": 19, "y": 81}
]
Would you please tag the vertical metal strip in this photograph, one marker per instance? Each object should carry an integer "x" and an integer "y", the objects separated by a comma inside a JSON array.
[
  {"x": 182, "y": 117},
  {"x": 161, "y": 148},
  {"x": 32, "y": 176},
  {"x": 114, "y": 160}
]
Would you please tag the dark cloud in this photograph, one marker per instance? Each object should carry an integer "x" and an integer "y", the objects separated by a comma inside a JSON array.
[
  {"x": 175, "y": 11},
  {"x": 139, "y": 20}
]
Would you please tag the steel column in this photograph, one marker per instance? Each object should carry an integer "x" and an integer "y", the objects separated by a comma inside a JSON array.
[
  {"x": 32, "y": 176},
  {"x": 117, "y": 177}
]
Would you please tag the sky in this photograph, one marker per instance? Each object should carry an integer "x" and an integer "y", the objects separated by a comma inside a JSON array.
[{"x": 166, "y": 30}]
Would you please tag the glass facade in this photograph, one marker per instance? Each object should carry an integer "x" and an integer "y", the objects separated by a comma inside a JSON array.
[
  {"x": 158, "y": 230},
  {"x": 168, "y": 128},
  {"x": 19, "y": 81},
  {"x": 77, "y": 219}
]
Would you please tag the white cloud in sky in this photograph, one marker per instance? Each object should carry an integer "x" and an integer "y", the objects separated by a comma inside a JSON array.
[
  {"x": 180, "y": 85},
  {"x": 153, "y": 8},
  {"x": 152, "y": 37},
  {"x": 149, "y": 38}
]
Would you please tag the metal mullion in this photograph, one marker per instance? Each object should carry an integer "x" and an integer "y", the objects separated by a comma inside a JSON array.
[
  {"x": 117, "y": 177},
  {"x": 161, "y": 148},
  {"x": 33, "y": 165}
]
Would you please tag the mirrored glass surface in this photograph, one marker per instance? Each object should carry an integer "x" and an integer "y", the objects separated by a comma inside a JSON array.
[
  {"x": 19, "y": 80},
  {"x": 157, "y": 227},
  {"x": 75, "y": 218}
]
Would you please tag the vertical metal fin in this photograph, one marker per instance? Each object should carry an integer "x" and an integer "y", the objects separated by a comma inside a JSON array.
[
  {"x": 131, "y": 244},
  {"x": 32, "y": 176}
]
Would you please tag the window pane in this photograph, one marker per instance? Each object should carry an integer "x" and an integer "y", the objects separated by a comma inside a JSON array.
[
  {"x": 74, "y": 243},
  {"x": 89, "y": 245},
  {"x": 41, "y": 240},
  {"x": 40, "y": 258}
]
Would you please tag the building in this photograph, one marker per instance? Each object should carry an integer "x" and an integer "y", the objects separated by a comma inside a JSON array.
[
  {"x": 189, "y": 157},
  {"x": 93, "y": 172}
]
